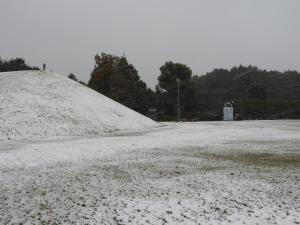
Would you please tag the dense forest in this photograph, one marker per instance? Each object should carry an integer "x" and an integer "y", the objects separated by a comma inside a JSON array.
[{"x": 254, "y": 93}]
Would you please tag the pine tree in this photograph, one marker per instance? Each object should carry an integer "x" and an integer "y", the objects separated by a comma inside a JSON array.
[{"x": 114, "y": 77}]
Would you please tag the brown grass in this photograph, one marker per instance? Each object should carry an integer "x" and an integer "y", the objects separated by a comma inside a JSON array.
[{"x": 257, "y": 159}]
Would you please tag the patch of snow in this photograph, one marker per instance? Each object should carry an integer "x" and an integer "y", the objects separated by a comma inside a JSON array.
[
  {"x": 184, "y": 173},
  {"x": 35, "y": 104}
]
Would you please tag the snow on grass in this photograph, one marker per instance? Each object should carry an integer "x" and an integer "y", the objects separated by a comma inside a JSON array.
[
  {"x": 187, "y": 173},
  {"x": 36, "y": 104}
]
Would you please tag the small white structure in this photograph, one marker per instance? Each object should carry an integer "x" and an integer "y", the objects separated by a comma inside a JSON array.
[{"x": 228, "y": 112}]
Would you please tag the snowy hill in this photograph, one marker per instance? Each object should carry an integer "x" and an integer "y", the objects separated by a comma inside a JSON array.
[{"x": 35, "y": 104}]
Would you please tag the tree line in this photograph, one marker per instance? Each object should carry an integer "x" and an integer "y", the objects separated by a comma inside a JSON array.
[
  {"x": 15, "y": 64},
  {"x": 254, "y": 93}
]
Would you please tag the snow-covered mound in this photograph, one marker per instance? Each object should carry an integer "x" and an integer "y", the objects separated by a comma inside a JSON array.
[{"x": 35, "y": 104}]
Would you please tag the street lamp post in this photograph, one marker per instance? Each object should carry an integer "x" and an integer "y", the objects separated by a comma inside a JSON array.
[{"x": 178, "y": 100}]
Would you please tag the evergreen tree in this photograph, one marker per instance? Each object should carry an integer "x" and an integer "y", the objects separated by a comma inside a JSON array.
[
  {"x": 72, "y": 77},
  {"x": 114, "y": 77},
  {"x": 167, "y": 91}
]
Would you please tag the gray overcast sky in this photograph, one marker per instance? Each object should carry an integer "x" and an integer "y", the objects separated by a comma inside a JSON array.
[{"x": 204, "y": 34}]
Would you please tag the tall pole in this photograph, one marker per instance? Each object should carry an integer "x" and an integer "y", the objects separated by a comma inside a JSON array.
[{"x": 178, "y": 100}]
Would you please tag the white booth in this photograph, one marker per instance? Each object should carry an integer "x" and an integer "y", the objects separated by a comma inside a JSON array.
[{"x": 228, "y": 112}]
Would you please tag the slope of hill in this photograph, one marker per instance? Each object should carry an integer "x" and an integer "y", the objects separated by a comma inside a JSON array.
[{"x": 35, "y": 104}]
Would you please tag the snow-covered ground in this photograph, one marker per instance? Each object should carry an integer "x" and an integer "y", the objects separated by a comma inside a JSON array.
[
  {"x": 35, "y": 104},
  {"x": 184, "y": 173}
]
